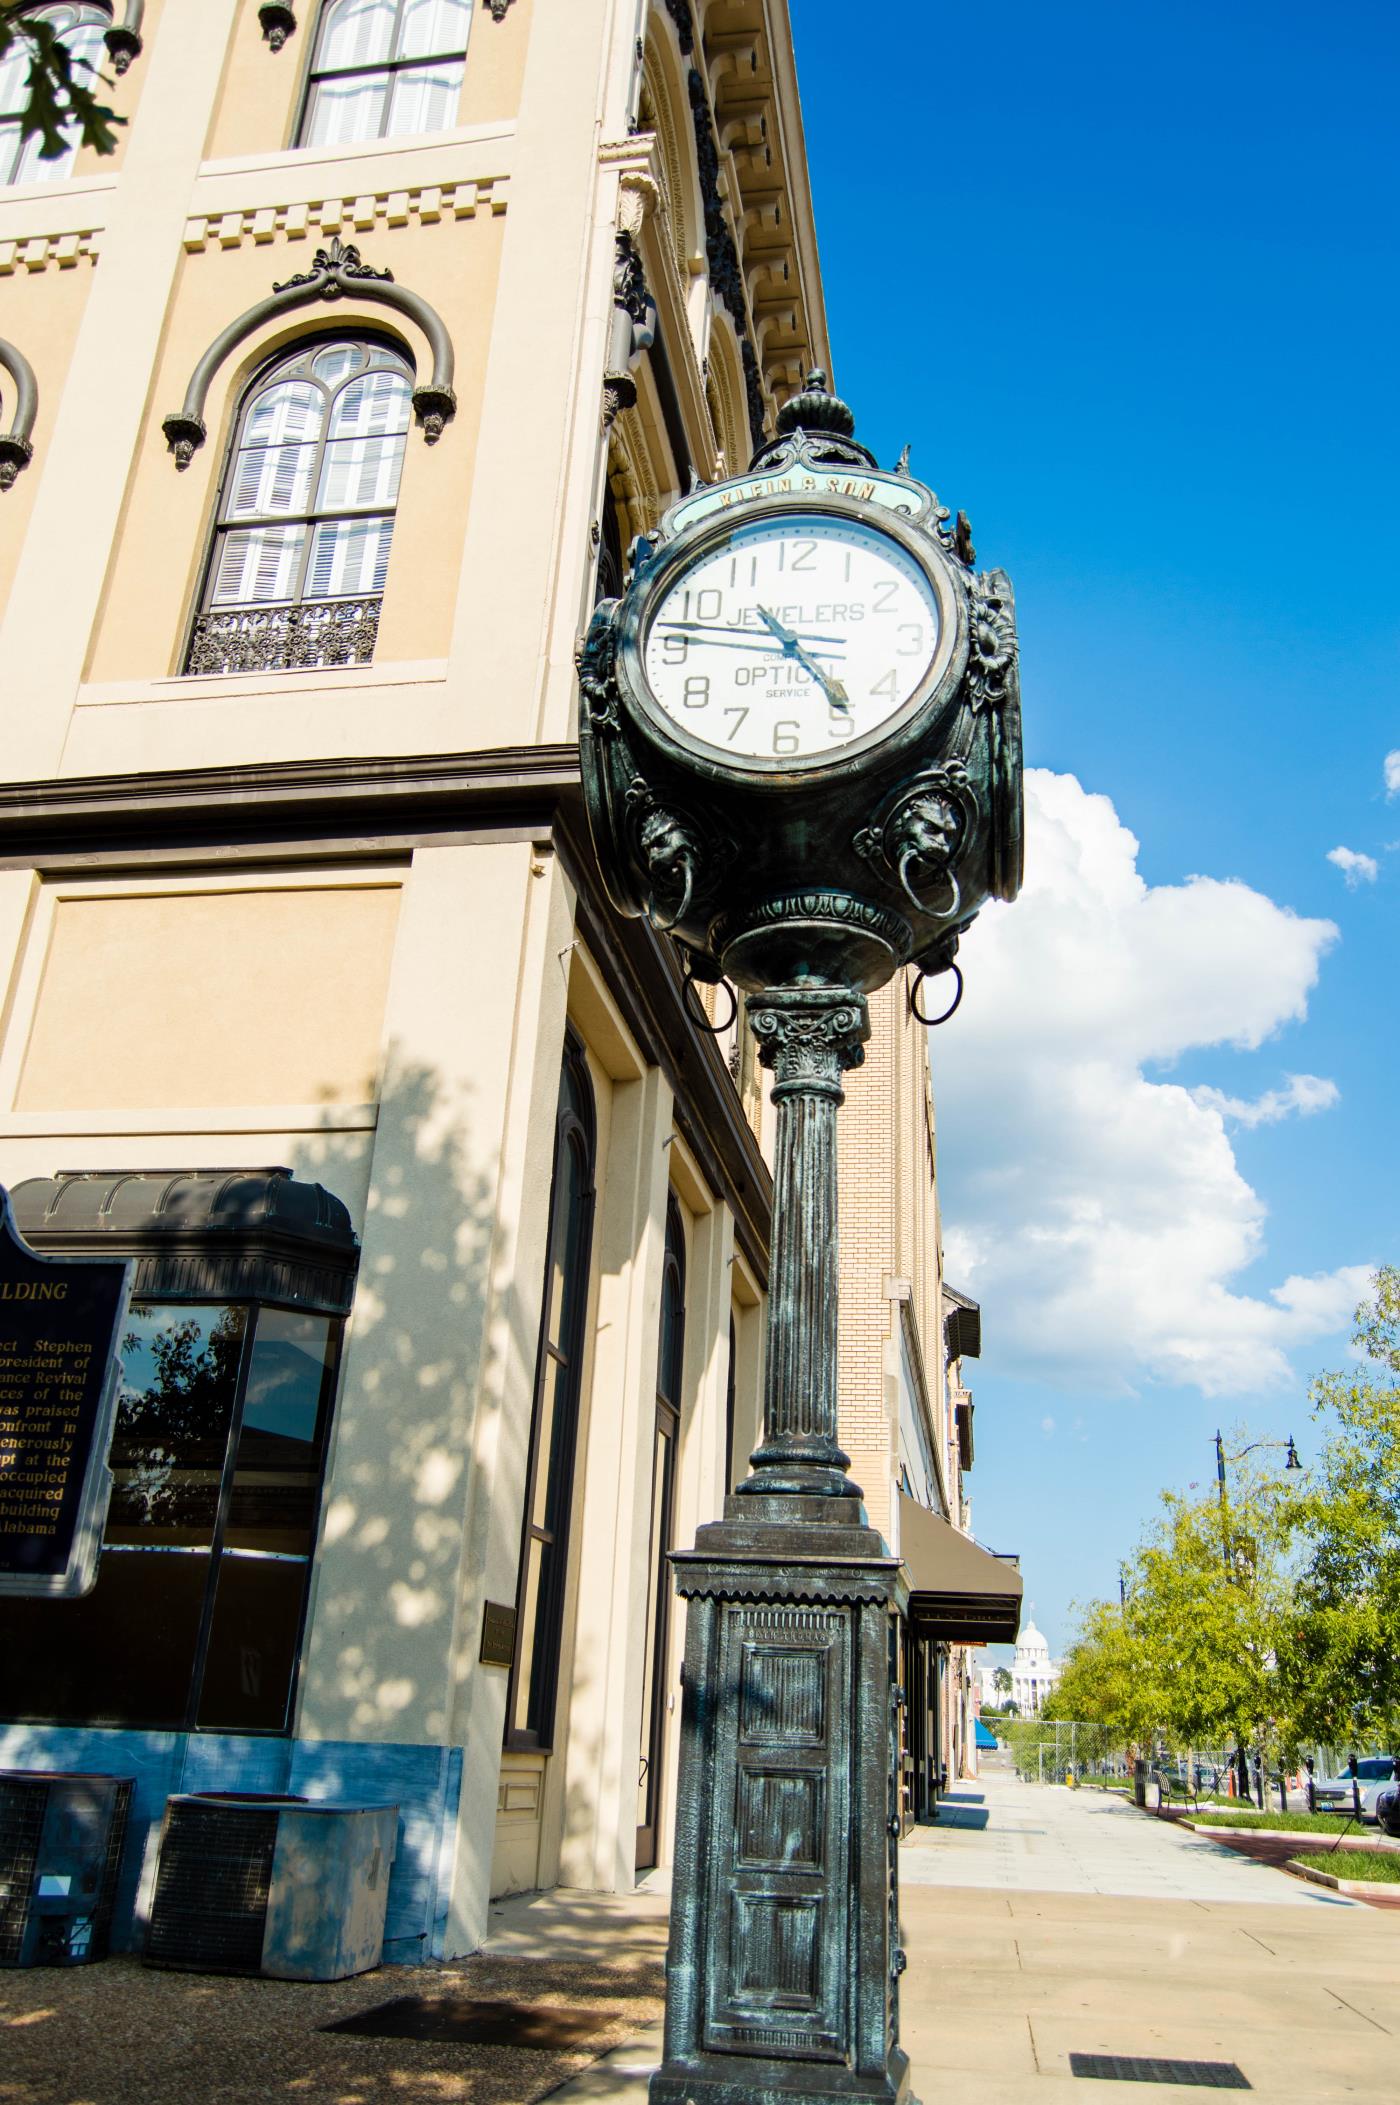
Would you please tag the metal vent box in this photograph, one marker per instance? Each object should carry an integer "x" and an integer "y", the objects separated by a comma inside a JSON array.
[
  {"x": 280, "y": 1887},
  {"x": 61, "y": 1838}
]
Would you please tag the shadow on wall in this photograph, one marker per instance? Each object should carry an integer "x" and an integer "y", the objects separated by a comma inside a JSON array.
[{"x": 392, "y": 1704}]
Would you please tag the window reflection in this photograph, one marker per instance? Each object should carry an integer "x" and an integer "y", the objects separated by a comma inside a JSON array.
[
  {"x": 179, "y": 1381},
  {"x": 277, "y": 1473},
  {"x": 217, "y": 1459}
]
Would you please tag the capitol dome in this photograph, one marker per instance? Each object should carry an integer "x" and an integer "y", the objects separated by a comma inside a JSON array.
[{"x": 1033, "y": 1674}]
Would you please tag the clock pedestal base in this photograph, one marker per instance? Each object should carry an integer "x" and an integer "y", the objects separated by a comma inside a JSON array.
[{"x": 782, "y": 1975}]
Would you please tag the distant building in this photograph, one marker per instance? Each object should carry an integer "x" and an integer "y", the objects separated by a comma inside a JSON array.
[{"x": 1033, "y": 1674}]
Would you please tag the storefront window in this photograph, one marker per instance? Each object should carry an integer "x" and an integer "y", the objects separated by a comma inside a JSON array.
[
  {"x": 550, "y": 1490},
  {"x": 217, "y": 1460}
]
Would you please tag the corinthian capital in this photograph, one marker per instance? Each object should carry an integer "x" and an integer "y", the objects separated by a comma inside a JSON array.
[{"x": 809, "y": 1036}]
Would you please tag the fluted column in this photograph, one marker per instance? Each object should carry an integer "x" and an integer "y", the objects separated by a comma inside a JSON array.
[{"x": 808, "y": 1036}]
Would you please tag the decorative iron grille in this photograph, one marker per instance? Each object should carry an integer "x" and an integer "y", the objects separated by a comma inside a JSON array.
[{"x": 281, "y": 638}]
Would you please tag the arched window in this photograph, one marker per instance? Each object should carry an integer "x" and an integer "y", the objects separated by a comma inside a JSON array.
[
  {"x": 384, "y": 68},
  {"x": 549, "y": 1486},
  {"x": 306, "y": 511},
  {"x": 81, "y": 27}
]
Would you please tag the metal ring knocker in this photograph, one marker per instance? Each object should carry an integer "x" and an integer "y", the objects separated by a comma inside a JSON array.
[
  {"x": 697, "y": 1014},
  {"x": 951, "y": 1010}
]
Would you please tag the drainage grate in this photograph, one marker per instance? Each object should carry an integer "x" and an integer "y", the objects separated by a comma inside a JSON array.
[
  {"x": 481, "y": 2024},
  {"x": 1142, "y": 2068}
]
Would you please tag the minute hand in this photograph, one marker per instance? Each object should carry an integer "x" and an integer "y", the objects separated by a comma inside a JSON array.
[{"x": 833, "y": 690}]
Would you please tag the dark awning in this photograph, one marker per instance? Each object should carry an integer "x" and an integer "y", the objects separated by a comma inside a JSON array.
[
  {"x": 200, "y": 1234},
  {"x": 959, "y": 1593}
]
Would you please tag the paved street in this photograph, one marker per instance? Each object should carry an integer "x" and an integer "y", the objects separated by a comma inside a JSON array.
[{"x": 1024, "y": 1837}]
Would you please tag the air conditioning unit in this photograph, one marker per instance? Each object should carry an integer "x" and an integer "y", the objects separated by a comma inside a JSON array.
[
  {"x": 271, "y": 1886},
  {"x": 61, "y": 1839}
]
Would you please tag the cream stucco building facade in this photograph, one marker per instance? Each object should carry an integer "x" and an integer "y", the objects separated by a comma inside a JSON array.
[{"x": 451, "y": 1226}]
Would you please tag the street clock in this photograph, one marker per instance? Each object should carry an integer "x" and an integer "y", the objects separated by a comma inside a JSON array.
[{"x": 801, "y": 722}]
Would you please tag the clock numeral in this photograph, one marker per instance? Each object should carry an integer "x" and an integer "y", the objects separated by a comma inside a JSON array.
[
  {"x": 674, "y": 649},
  {"x": 887, "y": 687},
  {"x": 840, "y": 723},
  {"x": 802, "y": 554},
  {"x": 914, "y": 630},
  {"x": 787, "y": 736},
  {"x": 884, "y": 596},
  {"x": 696, "y": 692},
  {"x": 709, "y": 604},
  {"x": 741, "y": 713}
]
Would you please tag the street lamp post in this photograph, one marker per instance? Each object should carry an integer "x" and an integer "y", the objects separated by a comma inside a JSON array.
[
  {"x": 1291, "y": 1462},
  {"x": 801, "y": 758}
]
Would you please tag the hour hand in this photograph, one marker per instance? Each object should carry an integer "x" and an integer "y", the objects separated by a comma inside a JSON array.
[{"x": 832, "y": 689}]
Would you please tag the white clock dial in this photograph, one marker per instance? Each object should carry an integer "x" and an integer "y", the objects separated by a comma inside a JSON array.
[{"x": 792, "y": 638}]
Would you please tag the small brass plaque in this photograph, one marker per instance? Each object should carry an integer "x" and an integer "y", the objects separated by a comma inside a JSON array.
[{"x": 497, "y": 1635}]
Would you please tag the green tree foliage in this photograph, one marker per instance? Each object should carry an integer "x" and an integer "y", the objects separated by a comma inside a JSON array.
[
  {"x": 1271, "y": 1620},
  {"x": 1192, "y": 1653},
  {"x": 1343, "y": 1654},
  {"x": 59, "y": 94},
  {"x": 1104, "y": 1681},
  {"x": 1209, "y": 1603}
]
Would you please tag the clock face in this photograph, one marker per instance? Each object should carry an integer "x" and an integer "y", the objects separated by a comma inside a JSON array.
[{"x": 792, "y": 638}]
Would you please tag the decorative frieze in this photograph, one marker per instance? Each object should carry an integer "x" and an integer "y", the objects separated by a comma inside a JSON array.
[{"x": 427, "y": 204}]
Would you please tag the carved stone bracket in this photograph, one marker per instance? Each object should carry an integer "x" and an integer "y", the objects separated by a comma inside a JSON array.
[
  {"x": 721, "y": 250},
  {"x": 634, "y": 328},
  {"x": 123, "y": 39},
  {"x": 680, "y": 13},
  {"x": 336, "y": 272},
  {"x": 278, "y": 22},
  {"x": 498, "y": 8},
  {"x": 16, "y": 451}
]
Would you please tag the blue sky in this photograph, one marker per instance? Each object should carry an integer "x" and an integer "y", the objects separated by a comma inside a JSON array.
[{"x": 1126, "y": 276}]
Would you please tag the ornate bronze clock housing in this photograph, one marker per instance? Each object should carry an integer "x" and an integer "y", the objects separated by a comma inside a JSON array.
[{"x": 801, "y": 726}]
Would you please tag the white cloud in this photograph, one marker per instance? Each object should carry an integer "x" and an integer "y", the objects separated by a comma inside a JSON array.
[
  {"x": 1100, "y": 1215},
  {"x": 1354, "y": 866},
  {"x": 1392, "y": 773},
  {"x": 1047, "y": 1426},
  {"x": 1304, "y": 1094}
]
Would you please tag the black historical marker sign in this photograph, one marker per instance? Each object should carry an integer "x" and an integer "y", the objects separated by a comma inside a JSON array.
[{"x": 60, "y": 1333}]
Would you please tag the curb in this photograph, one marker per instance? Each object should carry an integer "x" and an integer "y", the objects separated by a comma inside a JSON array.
[
  {"x": 1358, "y": 1888},
  {"x": 1372, "y": 1843}
]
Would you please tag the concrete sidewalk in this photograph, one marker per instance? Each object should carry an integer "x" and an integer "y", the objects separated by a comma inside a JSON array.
[
  {"x": 1042, "y": 1922},
  {"x": 1022, "y": 1837}
]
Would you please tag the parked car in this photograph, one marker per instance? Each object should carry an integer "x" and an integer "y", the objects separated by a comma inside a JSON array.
[{"x": 1332, "y": 1794}]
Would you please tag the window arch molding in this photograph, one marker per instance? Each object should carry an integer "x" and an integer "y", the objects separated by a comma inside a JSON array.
[
  {"x": 336, "y": 273},
  {"x": 16, "y": 451}
]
